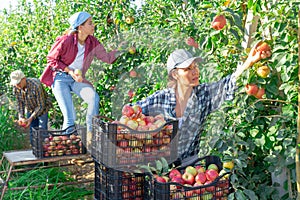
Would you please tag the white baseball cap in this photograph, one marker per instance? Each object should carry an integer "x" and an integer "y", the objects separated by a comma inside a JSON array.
[
  {"x": 16, "y": 77},
  {"x": 181, "y": 58}
]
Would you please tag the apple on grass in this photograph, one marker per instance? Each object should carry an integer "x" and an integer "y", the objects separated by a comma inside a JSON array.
[{"x": 132, "y": 50}]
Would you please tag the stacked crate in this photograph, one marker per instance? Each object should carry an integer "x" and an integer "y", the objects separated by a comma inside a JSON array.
[{"x": 118, "y": 151}]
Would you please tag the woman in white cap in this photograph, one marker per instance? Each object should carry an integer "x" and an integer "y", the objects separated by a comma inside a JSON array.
[
  {"x": 33, "y": 102},
  {"x": 71, "y": 52},
  {"x": 190, "y": 102}
]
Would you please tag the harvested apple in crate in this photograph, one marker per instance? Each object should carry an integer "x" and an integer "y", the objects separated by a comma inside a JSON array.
[
  {"x": 204, "y": 178},
  {"x": 134, "y": 138},
  {"x": 57, "y": 143}
]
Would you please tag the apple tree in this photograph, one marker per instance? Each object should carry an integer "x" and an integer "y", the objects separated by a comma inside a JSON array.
[{"x": 259, "y": 134}]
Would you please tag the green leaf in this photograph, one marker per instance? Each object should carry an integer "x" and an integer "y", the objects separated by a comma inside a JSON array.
[
  {"x": 250, "y": 194},
  {"x": 165, "y": 165},
  {"x": 146, "y": 168},
  {"x": 235, "y": 34},
  {"x": 158, "y": 165}
]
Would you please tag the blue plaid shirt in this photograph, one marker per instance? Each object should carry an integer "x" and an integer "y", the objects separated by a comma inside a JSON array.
[{"x": 204, "y": 99}]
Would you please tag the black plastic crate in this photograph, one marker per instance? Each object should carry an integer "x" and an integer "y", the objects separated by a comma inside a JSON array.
[
  {"x": 50, "y": 143},
  {"x": 118, "y": 146},
  {"x": 220, "y": 188},
  {"x": 112, "y": 184}
]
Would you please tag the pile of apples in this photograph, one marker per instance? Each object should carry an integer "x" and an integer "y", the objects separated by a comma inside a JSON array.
[
  {"x": 141, "y": 137},
  {"x": 196, "y": 182},
  {"x": 62, "y": 145},
  {"x": 132, "y": 186}
]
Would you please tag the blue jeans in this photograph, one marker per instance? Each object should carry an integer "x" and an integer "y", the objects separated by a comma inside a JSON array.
[
  {"x": 41, "y": 122},
  {"x": 63, "y": 87}
]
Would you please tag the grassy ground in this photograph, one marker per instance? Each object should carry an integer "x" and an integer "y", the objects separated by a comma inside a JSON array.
[{"x": 14, "y": 138}]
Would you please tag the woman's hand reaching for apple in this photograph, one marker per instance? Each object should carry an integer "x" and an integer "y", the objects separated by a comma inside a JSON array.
[{"x": 261, "y": 50}]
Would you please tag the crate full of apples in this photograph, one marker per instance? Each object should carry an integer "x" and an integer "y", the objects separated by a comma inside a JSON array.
[
  {"x": 204, "y": 178},
  {"x": 53, "y": 143},
  {"x": 112, "y": 184},
  {"x": 133, "y": 139}
]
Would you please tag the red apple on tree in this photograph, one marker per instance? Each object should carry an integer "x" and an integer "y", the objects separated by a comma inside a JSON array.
[
  {"x": 131, "y": 93},
  {"x": 133, "y": 74},
  {"x": 251, "y": 89},
  {"x": 260, "y": 93},
  {"x": 263, "y": 71},
  {"x": 191, "y": 42},
  {"x": 263, "y": 46},
  {"x": 129, "y": 20},
  {"x": 218, "y": 22},
  {"x": 132, "y": 50}
]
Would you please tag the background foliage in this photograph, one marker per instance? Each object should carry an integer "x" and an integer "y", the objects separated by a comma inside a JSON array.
[{"x": 260, "y": 135}]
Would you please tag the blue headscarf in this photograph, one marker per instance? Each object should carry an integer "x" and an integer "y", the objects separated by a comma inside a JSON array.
[{"x": 77, "y": 19}]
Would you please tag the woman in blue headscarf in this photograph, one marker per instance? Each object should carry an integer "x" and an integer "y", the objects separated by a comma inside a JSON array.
[{"x": 74, "y": 52}]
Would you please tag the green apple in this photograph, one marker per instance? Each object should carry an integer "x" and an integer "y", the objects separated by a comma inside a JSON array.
[
  {"x": 78, "y": 72},
  {"x": 192, "y": 170},
  {"x": 213, "y": 166}
]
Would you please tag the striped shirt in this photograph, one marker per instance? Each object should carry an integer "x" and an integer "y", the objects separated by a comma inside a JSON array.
[
  {"x": 33, "y": 98},
  {"x": 204, "y": 99}
]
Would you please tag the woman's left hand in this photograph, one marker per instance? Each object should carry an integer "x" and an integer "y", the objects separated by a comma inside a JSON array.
[{"x": 76, "y": 77}]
